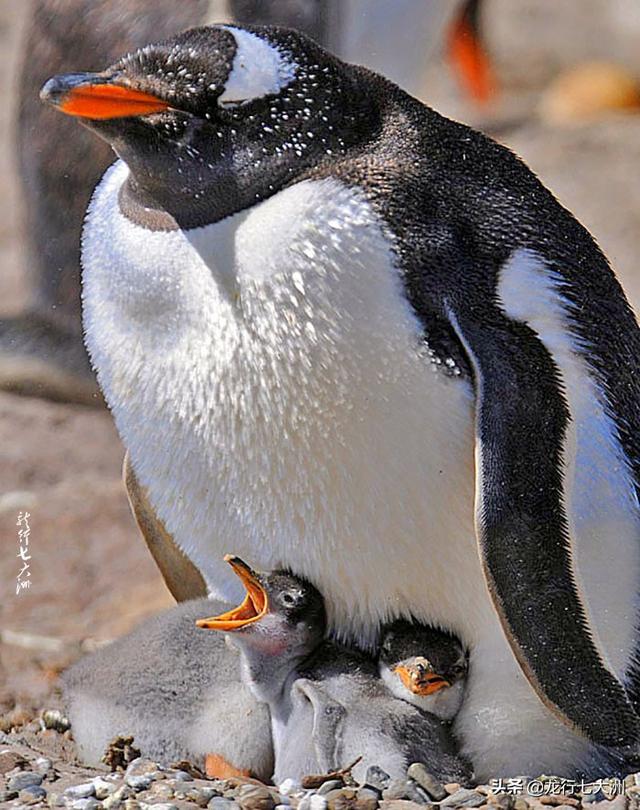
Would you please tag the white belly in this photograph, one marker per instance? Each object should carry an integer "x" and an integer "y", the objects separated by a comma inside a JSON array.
[{"x": 268, "y": 377}]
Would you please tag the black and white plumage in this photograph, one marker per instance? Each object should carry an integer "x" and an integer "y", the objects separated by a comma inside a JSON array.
[{"x": 311, "y": 301}]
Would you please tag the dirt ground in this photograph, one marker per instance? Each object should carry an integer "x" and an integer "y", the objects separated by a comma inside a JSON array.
[{"x": 91, "y": 575}]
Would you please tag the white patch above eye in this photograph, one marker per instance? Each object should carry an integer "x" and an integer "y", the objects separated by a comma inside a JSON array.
[{"x": 259, "y": 69}]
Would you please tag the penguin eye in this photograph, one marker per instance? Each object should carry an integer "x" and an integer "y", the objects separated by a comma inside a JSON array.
[{"x": 288, "y": 599}]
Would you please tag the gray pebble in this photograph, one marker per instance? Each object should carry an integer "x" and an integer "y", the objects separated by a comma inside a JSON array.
[
  {"x": 406, "y": 789},
  {"x": 42, "y": 765},
  {"x": 505, "y": 801},
  {"x": 377, "y": 778},
  {"x": 88, "y": 803},
  {"x": 181, "y": 776},
  {"x": 103, "y": 788},
  {"x": 139, "y": 781},
  {"x": 288, "y": 787},
  {"x": 161, "y": 790},
  {"x": 33, "y": 793},
  {"x": 330, "y": 784},
  {"x": 317, "y": 802},
  {"x": 140, "y": 765},
  {"x": 82, "y": 791},
  {"x": 254, "y": 797},
  {"x": 368, "y": 793},
  {"x": 305, "y": 802},
  {"x": 464, "y": 798},
  {"x": 218, "y": 803},
  {"x": 592, "y": 798},
  {"x": 164, "y": 806},
  {"x": 200, "y": 795},
  {"x": 419, "y": 773},
  {"x": 123, "y": 793},
  {"x": 281, "y": 807},
  {"x": 24, "y": 779}
]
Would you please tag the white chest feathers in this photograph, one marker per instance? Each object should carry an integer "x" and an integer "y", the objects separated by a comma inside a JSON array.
[{"x": 269, "y": 379}]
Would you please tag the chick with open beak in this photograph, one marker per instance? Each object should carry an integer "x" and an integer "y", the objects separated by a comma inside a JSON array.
[
  {"x": 278, "y": 624},
  {"x": 425, "y": 666}
]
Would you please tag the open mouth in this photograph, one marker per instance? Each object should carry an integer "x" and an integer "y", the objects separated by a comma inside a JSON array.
[
  {"x": 86, "y": 95},
  {"x": 419, "y": 680},
  {"x": 252, "y": 608}
]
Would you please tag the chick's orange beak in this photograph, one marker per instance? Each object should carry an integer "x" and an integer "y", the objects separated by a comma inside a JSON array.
[
  {"x": 419, "y": 678},
  {"x": 253, "y": 607},
  {"x": 92, "y": 96}
]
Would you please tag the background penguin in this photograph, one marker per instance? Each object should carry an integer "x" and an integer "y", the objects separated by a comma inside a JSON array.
[
  {"x": 328, "y": 704},
  {"x": 177, "y": 690},
  {"x": 348, "y": 317},
  {"x": 41, "y": 351},
  {"x": 425, "y": 666}
]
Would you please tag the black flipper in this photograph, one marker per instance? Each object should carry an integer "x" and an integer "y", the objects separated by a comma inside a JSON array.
[{"x": 521, "y": 525}]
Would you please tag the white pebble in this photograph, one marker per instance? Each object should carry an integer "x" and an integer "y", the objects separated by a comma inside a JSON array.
[
  {"x": 317, "y": 802},
  {"x": 288, "y": 787},
  {"x": 82, "y": 791}
]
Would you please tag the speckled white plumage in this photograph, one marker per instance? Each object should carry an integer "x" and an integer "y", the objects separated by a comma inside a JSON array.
[{"x": 259, "y": 69}]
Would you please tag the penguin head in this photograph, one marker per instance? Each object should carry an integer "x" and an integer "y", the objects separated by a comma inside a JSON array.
[
  {"x": 217, "y": 118},
  {"x": 282, "y": 616},
  {"x": 424, "y": 666}
]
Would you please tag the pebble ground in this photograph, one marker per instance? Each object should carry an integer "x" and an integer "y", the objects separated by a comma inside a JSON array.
[{"x": 38, "y": 769}]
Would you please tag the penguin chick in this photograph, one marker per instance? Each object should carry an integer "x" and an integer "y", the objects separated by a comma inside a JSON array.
[
  {"x": 328, "y": 703},
  {"x": 176, "y": 690},
  {"x": 425, "y": 666}
]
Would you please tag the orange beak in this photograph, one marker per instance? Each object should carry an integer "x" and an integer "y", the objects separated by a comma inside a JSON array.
[
  {"x": 89, "y": 96},
  {"x": 252, "y": 609},
  {"x": 419, "y": 678}
]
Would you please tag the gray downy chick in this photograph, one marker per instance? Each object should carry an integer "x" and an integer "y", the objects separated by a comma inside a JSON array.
[
  {"x": 425, "y": 666},
  {"x": 176, "y": 689}
]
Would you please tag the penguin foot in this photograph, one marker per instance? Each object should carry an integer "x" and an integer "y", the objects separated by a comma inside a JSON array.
[
  {"x": 41, "y": 359},
  {"x": 217, "y": 767}
]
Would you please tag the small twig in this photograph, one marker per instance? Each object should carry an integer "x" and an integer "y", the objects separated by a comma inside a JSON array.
[{"x": 315, "y": 780}]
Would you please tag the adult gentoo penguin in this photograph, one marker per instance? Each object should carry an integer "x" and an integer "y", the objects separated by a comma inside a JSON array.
[
  {"x": 328, "y": 704},
  {"x": 311, "y": 301},
  {"x": 41, "y": 350}
]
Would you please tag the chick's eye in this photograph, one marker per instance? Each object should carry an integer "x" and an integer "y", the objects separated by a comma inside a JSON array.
[{"x": 288, "y": 599}]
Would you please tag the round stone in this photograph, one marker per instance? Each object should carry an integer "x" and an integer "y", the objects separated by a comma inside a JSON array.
[
  {"x": 24, "y": 779},
  {"x": 82, "y": 791},
  {"x": 32, "y": 793}
]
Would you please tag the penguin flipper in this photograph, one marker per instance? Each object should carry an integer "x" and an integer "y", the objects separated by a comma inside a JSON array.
[
  {"x": 328, "y": 716},
  {"x": 181, "y": 576},
  {"x": 522, "y": 530}
]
